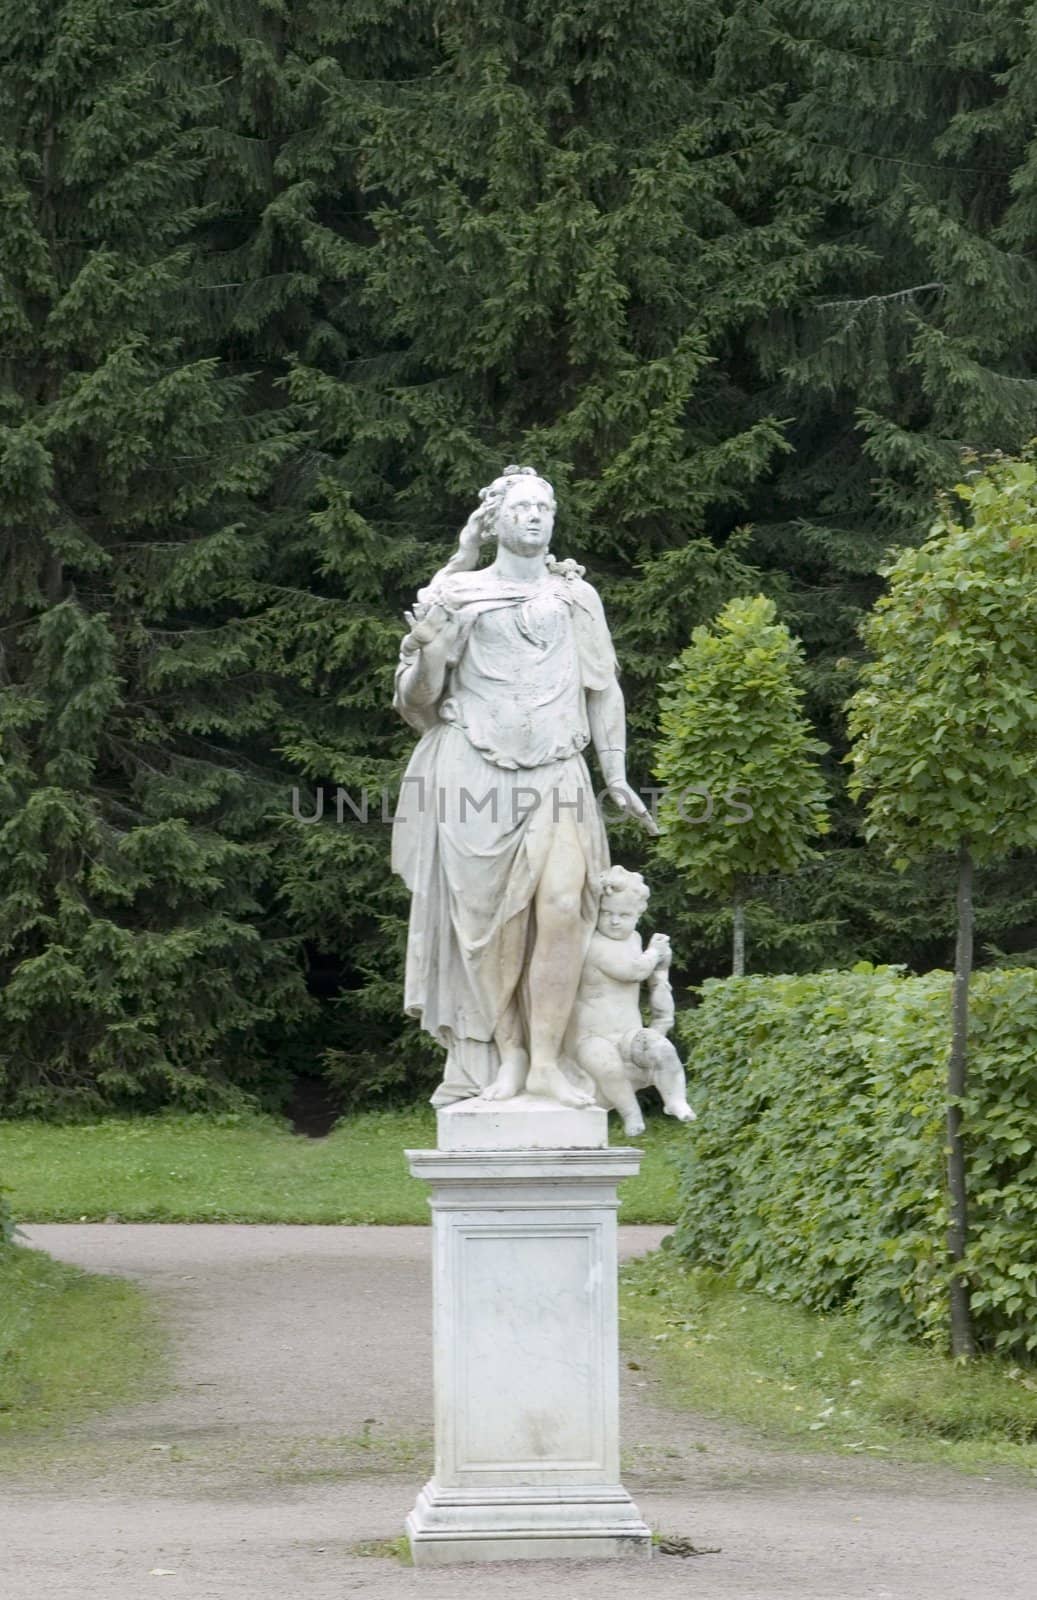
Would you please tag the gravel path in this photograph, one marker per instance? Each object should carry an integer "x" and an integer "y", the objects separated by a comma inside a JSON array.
[{"x": 298, "y": 1427}]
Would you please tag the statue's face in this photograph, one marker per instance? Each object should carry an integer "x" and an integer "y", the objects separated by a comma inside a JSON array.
[
  {"x": 619, "y": 915},
  {"x": 526, "y": 517}
]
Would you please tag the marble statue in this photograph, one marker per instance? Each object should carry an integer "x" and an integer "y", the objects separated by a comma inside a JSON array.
[
  {"x": 523, "y": 961},
  {"x": 508, "y": 674},
  {"x": 607, "y": 1034}
]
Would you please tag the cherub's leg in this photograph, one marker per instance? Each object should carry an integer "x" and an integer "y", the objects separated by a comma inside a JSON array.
[
  {"x": 604, "y": 1062},
  {"x": 654, "y": 1054},
  {"x": 514, "y": 1058},
  {"x": 554, "y": 970}
]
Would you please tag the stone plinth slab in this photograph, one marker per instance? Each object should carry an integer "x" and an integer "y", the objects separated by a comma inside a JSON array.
[
  {"x": 526, "y": 1354},
  {"x": 524, "y": 1123}
]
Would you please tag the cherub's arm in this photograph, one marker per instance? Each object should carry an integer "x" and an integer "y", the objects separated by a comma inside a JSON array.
[
  {"x": 660, "y": 990},
  {"x": 615, "y": 960},
  {"x": 660, "y": 1000}
]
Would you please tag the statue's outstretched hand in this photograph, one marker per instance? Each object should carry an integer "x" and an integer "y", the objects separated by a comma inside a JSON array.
[
  {"x": 436, "y": 626},
  {"x": 630, "y": 802}
]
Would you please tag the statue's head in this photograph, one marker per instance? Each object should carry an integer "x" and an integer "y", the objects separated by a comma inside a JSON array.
[
  {"x": 520, "y": 511},
  {"x": 624, "y": 896}
]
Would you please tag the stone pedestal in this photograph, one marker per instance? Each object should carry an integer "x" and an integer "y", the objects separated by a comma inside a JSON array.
[{"x": 523, "y": 1197}]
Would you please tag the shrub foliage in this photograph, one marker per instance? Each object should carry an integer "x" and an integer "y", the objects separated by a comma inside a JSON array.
[{"x": 817, "y": 1169}]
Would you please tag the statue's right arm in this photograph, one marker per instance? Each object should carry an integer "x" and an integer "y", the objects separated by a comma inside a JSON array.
[
  {"x": 420, "y": 676},
  {"x": 424, "y": 658}
]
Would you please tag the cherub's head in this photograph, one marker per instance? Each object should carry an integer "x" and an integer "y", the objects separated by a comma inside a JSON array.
[{"x": 624, "y": 896}]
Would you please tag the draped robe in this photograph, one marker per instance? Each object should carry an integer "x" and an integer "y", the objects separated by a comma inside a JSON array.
[{"x": 498, "y": 767}]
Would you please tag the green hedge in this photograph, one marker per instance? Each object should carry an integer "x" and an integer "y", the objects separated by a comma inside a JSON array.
[{"x": 816, "y": 1172}]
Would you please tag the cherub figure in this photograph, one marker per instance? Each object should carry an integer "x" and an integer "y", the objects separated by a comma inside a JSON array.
[{"x": 608, "y": 1037}]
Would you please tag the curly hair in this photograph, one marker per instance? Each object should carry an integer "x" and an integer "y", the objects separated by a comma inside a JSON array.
[
  {"x": 618, "y": 881},
  {"x": 492, "y": 495},
  {"x": 481, "y": 527}
]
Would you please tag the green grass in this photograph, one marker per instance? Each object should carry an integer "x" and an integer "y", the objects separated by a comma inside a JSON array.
[
  {"x": 814, "y": 1382},
  {"x": 242, "y": 1168},
  {"x": 71, "y": 1344},
  {"x": 385, "y": 1549}
]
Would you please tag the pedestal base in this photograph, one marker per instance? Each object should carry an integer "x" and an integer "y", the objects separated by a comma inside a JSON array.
[
  {"x": 515, "y": 1524},
  {"x": 523, "y": 1198}
]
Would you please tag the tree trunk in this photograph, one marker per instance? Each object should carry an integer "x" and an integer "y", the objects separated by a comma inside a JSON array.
[
  {"x": 961, "y": 1318},
  {"x": 738, "y": 939},
  {"x": 55, "y": 580}
]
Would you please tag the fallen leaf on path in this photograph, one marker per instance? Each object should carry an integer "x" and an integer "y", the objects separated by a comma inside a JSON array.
[{"x": 677, "y": 1546}]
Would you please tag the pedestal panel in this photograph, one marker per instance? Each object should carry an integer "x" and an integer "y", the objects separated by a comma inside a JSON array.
[{"x": 526, "y": 1351}]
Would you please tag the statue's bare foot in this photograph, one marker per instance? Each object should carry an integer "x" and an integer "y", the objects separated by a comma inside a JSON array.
[
  {"x": 511, "y": 1076},
  {"x": 546, "y": 1078},
  {"x": 634, "y": 1124},
  {"x": 679, "y": 1109}
]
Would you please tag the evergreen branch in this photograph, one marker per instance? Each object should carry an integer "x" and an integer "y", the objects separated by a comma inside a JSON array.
[
  {"x": 878, "y": 299},
  {"x": 196, "y": 633},
  {"x": 221, "y": 756},
  {"x": 116, "y": 803},
  {"x": 905, "y": 161},
  {"x": 869, "y": 58},
  {"x": 927, "y": 6}
]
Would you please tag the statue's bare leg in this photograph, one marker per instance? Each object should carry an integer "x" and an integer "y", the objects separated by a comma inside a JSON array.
[
  {"x": 604, "y": 1061},
  {"x": 514, "y": 1058},
  {"x": 554, "y": 970}
]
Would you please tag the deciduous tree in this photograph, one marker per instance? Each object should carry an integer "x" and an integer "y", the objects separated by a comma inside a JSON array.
[
  {"x": 734, "y": 733},
  {"x": 944, "y": 729}
]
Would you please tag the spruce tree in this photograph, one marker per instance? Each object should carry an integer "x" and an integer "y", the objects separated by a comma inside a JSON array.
[
  {"x": 283, "y": 285},
  {"x": 566, "y": 227},
  {"x": 276, "y": 288},
  {"x": 134, "y": 841},
  {"x": 608, "y": 245}
]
